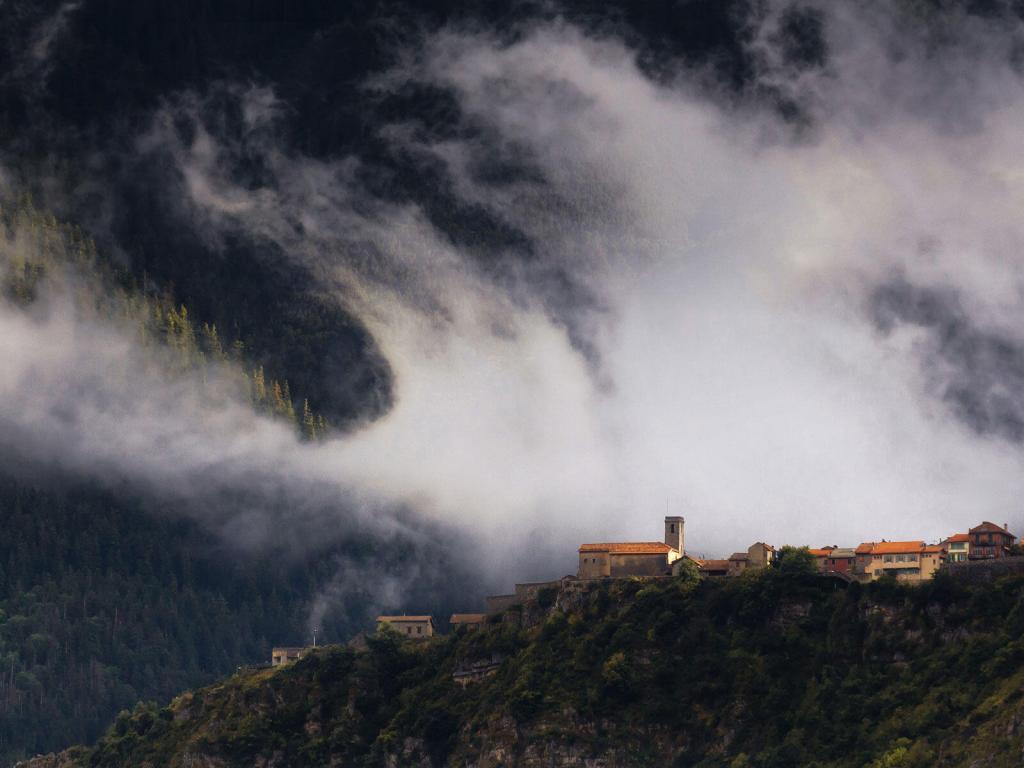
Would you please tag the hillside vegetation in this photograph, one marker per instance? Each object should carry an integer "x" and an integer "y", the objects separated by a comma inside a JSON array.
[
  {"x": 781, "y": 668},
  {"x": 102, "y": 604},
  {"x": 108, "y": 596},
  {"x": 41, "y": 256}
]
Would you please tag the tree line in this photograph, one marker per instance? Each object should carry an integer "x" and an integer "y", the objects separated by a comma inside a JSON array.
[{"x": 38, "y": 250}]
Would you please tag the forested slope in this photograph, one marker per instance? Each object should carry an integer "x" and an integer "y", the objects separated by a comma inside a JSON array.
[
  {"x": 102, "y": 604},
  {"x": 782, "y": 668},
  {"x": 111, "y": 593}
]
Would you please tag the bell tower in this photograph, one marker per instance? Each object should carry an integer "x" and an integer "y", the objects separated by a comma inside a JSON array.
[{"x": 674, "y": 533}]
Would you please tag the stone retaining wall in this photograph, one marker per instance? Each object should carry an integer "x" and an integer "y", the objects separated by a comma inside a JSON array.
[{"x": 986, "y": 570}]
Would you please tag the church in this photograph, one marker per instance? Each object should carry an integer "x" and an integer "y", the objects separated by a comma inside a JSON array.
[{"x": 633, "y": 558}]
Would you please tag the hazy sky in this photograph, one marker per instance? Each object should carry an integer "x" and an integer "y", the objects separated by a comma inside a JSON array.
[{"x": 798, "y": 330}]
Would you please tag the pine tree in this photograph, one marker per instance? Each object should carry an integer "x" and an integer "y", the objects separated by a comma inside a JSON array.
[
  {"x": 309, "y": 426},
  {"x": 289, "y": 406},
  {"x": 259, "y": 387},
  {"x": 212, "y": 341},
  {"x": 279, "y": 407}
]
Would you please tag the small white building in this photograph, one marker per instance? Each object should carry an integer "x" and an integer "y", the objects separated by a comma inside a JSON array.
[{"x": 286, "y": 655}]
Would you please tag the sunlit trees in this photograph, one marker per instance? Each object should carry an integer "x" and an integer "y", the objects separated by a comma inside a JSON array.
[{"x": 38, "y": 249}]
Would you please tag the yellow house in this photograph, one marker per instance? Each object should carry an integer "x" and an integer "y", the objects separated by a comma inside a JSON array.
[
  {"x": 418, "y": 627},
  {"x": 906, "y": 560}
]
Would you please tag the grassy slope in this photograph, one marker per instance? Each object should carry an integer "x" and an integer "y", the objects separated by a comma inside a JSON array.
[{"x": 772, "y": 670}]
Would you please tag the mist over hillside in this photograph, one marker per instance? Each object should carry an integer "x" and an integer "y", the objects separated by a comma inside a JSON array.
[
  {"x": 475, "y": 282},
  {"x": 563, "y": 267}
]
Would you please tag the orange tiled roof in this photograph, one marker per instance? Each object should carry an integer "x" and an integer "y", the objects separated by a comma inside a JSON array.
[
  {"x": 896, "y": 547},
  {"x": 987, "y": 527},
  {"x": 739, "y": 556},
  {"x": 826, "y": 552},
  {"x": 934, "y": 548},
  {"x": 468, "y": 618},
  {"x": 959, "y": 537},
  {"x": 405, "y": 618},
  {"x": 629, "y": 548},
  {"x": 865, "y": 548}
]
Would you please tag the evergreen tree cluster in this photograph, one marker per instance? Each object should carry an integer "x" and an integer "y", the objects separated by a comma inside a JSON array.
[
  {"x": 37, "y": 251},
  {"x": 102, "y": 605}
]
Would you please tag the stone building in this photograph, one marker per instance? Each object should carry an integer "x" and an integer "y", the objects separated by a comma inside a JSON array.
[
  {"x": 988, "y": 541},
  {"x": 633, "y": 558},
  {"x": 862, "y": 557},
  {"x": 758, "y": 555},
  {"x": 524, "y": 592},
  {"x": 467, "y": 620},
  {"x": 411, "y": 626}
]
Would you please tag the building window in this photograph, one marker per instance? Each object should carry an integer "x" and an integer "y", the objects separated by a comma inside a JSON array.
[
  {"x": 888, "y": 559},
  {"x": 672, "y": 527},
  {"x": 419, "y": 630}
]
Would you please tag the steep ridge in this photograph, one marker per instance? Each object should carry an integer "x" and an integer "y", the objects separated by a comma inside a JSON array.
[{"x": 772, "y": 669}]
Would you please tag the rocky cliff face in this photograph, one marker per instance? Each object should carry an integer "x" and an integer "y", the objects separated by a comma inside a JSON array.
[{"x": 766, "y": 670}]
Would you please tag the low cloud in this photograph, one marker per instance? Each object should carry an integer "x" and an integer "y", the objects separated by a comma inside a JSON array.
[{"x": 693, "y": 311}]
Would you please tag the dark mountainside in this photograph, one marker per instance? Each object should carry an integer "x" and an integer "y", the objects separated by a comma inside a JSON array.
[
  {"x": 65, "y": 127},
  {"x": 103, "y": 604},
  {"x": 777, "y": 668}
]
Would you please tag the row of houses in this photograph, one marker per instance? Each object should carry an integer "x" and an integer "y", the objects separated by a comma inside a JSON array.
[
  {"x": 916, "y": 560},
  {"x": 913, "y": 560},
  {"x": 907, "y": 560}
]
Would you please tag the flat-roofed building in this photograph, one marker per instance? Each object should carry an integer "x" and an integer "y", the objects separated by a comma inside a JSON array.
[
  {"x": 418, "y": 627},
  {"x": 286, "y": 654},
  {"x": 838, "y": 559},
  {"x": 468, "y": 620}
]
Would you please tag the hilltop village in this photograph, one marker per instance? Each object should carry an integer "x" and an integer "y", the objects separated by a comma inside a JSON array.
[{"x": 986, "y": 544}]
